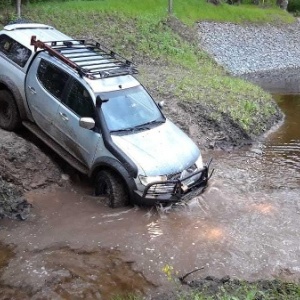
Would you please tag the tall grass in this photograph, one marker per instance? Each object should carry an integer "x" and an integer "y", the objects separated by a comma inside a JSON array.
[{"x": 189, "y": 11}]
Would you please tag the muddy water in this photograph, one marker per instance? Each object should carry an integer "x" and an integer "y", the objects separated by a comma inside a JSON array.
[
  {"x": 283, "y": 146},
  {"x": 246, "y": 225}
]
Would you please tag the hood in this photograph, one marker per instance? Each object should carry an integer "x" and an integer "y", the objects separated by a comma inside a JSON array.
[{"x": 161, "y": 150}]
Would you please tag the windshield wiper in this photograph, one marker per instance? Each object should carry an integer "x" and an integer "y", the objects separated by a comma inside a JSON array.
[
  {"x": 144, "y": 126},
  {"x": 123, "y": 130}
]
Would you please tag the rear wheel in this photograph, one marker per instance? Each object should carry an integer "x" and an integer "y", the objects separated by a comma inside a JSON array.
[
  {"x": 110, "y": 185},
  {"x": 9, "y": 114}
]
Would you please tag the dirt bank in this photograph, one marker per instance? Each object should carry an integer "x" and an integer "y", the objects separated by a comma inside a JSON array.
[
  {"x": 24, "y": 164},
  {"x": 23, "y": 167}
]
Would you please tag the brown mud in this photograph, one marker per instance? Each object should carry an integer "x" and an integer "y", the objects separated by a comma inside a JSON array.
[
  {"x": 24, "y": 164},
  {"x": 64, "y": 273},
  {"x": 63, "y": 252},
  {"x": 23, "y": 167}
]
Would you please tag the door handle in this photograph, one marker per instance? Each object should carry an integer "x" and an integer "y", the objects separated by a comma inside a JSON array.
[
  {"x": 32, "y": 90},
  {"x": 64, "y": 116}
]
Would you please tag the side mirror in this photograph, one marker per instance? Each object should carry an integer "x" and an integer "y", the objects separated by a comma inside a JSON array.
[
  {"x": 161, "y": 104},
  {"x": 87, "y": 123}
]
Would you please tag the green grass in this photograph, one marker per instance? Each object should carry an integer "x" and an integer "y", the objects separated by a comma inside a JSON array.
[
  {"x": 229, "y": 13},
  {"x": 241, "y": 290},
  {"x": 188, "y": 11},
  {"x": 140, "y": 30},
  {"x": 275, "y": 290}
]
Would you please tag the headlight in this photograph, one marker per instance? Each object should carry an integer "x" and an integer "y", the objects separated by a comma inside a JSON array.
[
  {"x": 199, "y": 162},
  {"x": 145, "y": 180}
]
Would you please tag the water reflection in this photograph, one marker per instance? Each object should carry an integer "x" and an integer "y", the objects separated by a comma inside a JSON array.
[{"x": 283, "y": 146}]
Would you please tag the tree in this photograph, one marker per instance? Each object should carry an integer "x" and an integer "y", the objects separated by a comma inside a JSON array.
[
  {"x": 18, "y": 8},
  {"x": 283, "y": 4},
  {"x": 170, "y": 7}
]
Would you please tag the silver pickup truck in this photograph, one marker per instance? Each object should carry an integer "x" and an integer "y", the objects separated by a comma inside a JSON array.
[{"x": 83, "y": 101}]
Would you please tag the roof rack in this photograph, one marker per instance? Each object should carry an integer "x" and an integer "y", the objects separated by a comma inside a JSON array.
[{"x": 88, "y": 57}]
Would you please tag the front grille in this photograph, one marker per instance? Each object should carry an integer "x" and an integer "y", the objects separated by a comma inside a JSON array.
[{"x": 162, "y": 188}]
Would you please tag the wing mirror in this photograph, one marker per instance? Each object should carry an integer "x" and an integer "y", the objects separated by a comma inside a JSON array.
[{"x": 87, "y": 123}]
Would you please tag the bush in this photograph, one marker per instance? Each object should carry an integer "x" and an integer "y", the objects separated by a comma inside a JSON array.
[{"x": 294, "y": 6}]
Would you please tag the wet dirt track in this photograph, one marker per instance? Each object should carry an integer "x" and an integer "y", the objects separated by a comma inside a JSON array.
[{"x": 245, "y": 225}]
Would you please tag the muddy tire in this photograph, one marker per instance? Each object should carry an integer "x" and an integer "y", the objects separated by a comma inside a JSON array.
[
  {"x": 109, "y": 184},
  {"x": 9, "y": 114}
]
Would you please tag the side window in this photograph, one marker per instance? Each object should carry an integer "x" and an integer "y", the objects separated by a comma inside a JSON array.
[
  {"x": 14, "y": 50},
  {"x": 52, "y": 78},
  {"x": 80, "y": 101}
]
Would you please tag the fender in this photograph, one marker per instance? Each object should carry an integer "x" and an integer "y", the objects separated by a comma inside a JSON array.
[
  {"x": 114, "y": 165},
  {"x": 7, "y": 83}
]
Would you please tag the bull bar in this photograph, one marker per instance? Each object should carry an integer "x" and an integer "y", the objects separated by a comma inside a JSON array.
[{"x": 176, "y": 190}]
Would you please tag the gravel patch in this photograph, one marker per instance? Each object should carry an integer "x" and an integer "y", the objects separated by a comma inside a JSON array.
[{"x": 244, "y": 49}]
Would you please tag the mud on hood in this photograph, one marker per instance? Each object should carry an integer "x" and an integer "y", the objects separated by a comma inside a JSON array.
[{"x": 161, "y": 150}]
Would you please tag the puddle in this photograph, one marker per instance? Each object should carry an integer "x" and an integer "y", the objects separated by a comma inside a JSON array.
[{"x": 63, "y": 273}]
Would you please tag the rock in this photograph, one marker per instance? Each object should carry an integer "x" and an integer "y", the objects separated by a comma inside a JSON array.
[
  {"x": 12, "y": 204},
  {"x": 244, "y": 49}
]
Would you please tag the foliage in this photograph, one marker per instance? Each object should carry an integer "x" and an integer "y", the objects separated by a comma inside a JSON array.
[
  {"x": 127, "y": 297},
  {"x": 4, "y": 3},
  {"x": 294, "y": 6},
  {"x": 249, "y": 291},
  {"x": 212, "y": 288}
]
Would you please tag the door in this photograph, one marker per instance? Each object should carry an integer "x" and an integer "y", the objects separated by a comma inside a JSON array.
[
  {"x": 78, "y": 141},
  {"x": 45, "y": 85}
]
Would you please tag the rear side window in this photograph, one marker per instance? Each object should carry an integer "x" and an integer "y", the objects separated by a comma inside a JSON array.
[
  {"x": 14, "y": 50},
  {"x": 52, "y": 78}
]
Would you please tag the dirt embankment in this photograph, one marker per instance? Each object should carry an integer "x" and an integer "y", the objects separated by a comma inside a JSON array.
[{"x": 23, "y": 167}]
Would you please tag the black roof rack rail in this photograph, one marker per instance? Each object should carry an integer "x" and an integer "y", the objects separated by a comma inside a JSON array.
[{"x": 88, "y": 57}]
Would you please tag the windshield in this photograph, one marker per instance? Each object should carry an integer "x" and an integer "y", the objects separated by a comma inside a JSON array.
[{"x": 129, "y": 109}]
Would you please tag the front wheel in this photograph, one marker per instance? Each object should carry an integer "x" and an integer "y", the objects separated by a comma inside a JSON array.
[
  {"x": 109, "y": 184},
  {"x": 9, "y": 114}
]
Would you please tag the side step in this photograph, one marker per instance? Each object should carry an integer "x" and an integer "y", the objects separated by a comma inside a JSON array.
[{"x": 56, "y": 147}]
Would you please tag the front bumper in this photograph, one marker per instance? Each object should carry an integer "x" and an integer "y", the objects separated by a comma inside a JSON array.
[{"x": 172, "y": 191}]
